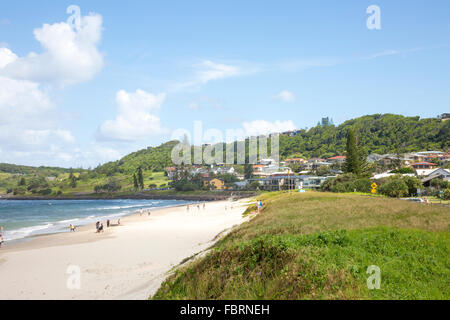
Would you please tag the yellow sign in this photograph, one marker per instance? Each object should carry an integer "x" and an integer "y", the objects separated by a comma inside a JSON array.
[{"x": 374, "y": 187}]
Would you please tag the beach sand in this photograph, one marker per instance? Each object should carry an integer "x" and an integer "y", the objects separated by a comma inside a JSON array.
[{"x": 125, "y": 262}]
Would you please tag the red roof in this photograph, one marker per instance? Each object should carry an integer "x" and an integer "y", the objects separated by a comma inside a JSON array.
[
  {"x": 171, "y": 169},
  {"x": 424, "y": 163},
  {"x": 337, "y": 158},
  {"x": 258, "y": 166}
]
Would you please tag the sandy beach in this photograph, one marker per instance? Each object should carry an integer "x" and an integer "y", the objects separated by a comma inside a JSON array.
[{"x": 125, "y": 262}]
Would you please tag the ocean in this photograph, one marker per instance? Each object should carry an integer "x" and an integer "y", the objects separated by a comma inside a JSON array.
[{"x": 27, "y": 218}]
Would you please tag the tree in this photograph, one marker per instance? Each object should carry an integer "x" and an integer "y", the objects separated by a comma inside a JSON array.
[
  {"x": 22, "y": 182},
  {"x": 248, "y": 171},
  {"x": 140, "y": 178},
  {"x": 413, "y": 184},
  {"x": 353, "y": 161},
  {"x": 135, "y": 182},
  {"x": 72, "y": 180},
  {"x": 395, "y": 187}
]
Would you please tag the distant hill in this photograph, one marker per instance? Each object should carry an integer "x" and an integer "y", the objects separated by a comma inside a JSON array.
[
  {"x": 28, "y": 170},
  {"x": 153, "y": 159},
  {"x": 387, "y": 133}
]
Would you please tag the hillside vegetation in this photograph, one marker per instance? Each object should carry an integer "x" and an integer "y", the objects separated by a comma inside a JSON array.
[
  {"x": 319, "y": 246},
  {"x": 376, "y": 134}
]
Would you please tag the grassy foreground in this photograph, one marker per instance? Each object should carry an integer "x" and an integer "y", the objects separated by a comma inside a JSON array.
[{"x": 319, "y": 246}]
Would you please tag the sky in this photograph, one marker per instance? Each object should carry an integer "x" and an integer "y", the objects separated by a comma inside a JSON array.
[{"x": 86, "y": 82}]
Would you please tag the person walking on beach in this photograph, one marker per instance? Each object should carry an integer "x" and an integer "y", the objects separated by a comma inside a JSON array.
[
  {"x": 72, "y": 228},
  {"x": 1, "y": 240},
  {"x": 141, "y": 212},
  {"x": 107, "y": 223},
  {"x": 97, "y": 225},
  {"x": 149, "y": 212},
  {"x": 204, "y": 206},
  {"x": 100, "y": 229},
  {"x": 187, "y": 208},
  {"x": 118, "y": 222}
]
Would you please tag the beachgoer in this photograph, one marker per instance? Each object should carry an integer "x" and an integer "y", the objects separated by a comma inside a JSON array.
[
  {"x": 187, "y": 208},
  {"x": 204, "y": 206},
  {"x": 141, "y": 212},
  {"x": 72, "y": 228},
  {"x": 97, "y": 225},
  {"x": 107, "y": 223},
  {"x": 100, "y": 229},
  {"x": 149, "y": 212},
  {"x": 118, "y": 222},
  {"x": 198, "y": 207},
  {"x": 1, "y": 240}
]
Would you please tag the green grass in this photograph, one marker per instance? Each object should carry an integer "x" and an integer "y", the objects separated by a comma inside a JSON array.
[{"x": 319, "y": 246}]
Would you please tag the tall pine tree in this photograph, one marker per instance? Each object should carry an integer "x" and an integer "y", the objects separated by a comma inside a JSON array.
[
  {"x": 353, "y": 163},
  {"x": 140, "y": 178},
  {"x": 135, "y": 182}
]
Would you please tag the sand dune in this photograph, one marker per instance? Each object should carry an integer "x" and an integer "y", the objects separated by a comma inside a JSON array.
[{"x": 125, "y": 262}]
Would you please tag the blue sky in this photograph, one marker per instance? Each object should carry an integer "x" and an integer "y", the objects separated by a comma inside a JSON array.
[{"x": 260, "y": 66}]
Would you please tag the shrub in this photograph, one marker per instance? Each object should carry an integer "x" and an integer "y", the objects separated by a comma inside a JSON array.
[
  {"x": 45, "y": 192},
  {"x": 395, "y": 187},
  {"x": 413, "y": 184},
  {"x": 112, "y": 185},
  {"x": 446, "y": 195},
  {"x": 404, "y": 170}
]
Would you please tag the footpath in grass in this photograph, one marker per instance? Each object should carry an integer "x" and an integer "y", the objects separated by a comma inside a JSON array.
[{"x": 319, "y": 246}]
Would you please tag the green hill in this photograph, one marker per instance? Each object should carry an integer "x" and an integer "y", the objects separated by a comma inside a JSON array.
[
  {"x": 386, "y": 133},
  {"x": 377, "y": 133}
]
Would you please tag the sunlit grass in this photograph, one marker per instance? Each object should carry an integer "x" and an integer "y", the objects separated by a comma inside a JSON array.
[{"x": 319, "y": 246}]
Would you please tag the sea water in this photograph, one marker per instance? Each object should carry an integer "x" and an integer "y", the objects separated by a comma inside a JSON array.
[{"x": 26, "y": 218}]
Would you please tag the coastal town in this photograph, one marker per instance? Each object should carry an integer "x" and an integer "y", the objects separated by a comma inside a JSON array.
[{"x": 299, "y": 173}]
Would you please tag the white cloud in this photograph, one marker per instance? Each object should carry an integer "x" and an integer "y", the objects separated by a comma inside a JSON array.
[
  {"x": 285, "y": 96},
  {"x": 207, "y": 71},
  {"x": 70, "y": 55},
  {"x": 263, "y": 127},
  {"x": 134, "y": 119},
  {"x": 30, "y": 132},
  {"x": 213, "y": 71}
]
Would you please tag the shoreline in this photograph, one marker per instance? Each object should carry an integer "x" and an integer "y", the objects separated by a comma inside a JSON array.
[
  {"x": 83, "y": 227},
  {"x": 141, "y": 196},
  {"x": 125, "y": 262}
]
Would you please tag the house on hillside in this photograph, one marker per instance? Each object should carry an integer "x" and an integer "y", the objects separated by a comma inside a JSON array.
[
  {"x": 444, "y": 116},
  {"x": 277, "y": 182},
  {"x": 391, "y": 159},
  {"x": 337, "y": 159},
  {"x": 224, "y": 170},
  {"x": 214, "y": 183},
  {"x": 171, "y": 172},
  {"x": 294, "y": 161},
  {"x": 374, "y": 157},
  {"x": 423, "y": 165},
  {"x": 439, "y": 173}
]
